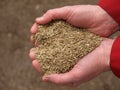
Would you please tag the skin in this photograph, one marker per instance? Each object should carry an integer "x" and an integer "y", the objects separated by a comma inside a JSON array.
[{"x": 98, "y": 61}]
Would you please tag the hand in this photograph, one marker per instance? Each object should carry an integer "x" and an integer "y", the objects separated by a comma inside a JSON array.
[
  {"x": 97, "y": 21},
  {"x": 88, "y": 67},
  {"x": 92, "y": 17}
]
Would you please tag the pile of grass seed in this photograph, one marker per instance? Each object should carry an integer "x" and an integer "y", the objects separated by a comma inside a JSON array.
[{"x": 61, "y": 45}]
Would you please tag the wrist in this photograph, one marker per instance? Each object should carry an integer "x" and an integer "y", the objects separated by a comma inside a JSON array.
[
  {"x": 105, "y": 22},
  {"x": 106, "y": 51}
]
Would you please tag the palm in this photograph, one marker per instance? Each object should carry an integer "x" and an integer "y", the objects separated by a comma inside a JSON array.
[{"x": 87, "y": 68}]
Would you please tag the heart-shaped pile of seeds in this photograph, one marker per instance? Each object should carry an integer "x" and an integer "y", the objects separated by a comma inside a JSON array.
[{"x": 61, "y": 45}]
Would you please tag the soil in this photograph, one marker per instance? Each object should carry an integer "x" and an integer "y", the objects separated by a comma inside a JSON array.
[{"x": 16, "y": 71}]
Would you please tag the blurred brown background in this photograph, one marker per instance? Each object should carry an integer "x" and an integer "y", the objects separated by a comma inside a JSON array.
[{"x": 16, "y": 71}]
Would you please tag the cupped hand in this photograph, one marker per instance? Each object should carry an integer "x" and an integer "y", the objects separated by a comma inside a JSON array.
[
  {"x": 92, "y": 17},
  {"x": 97, "y": 21},
  {"x": 95, "y": 63}
]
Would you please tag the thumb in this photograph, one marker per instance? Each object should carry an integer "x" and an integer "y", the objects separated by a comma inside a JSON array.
[
  {"x": 58, "y": 13},
  {"x": 59, "y": 78}
]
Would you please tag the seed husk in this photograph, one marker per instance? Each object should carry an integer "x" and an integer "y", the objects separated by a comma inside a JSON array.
[{"x": 61, "y": 46}]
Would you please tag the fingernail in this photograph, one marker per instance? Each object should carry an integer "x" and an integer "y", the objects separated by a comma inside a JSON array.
[{"x": 39, "y": 19}]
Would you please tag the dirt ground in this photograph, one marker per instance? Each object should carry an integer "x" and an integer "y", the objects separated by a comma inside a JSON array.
[{"x": 16, "y": 71}]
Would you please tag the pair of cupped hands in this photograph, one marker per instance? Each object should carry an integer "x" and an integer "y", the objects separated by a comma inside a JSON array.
[{"x": 97, "y": 21}]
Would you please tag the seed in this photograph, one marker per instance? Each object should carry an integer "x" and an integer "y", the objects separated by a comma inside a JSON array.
[{"x": 61, "y": 45}]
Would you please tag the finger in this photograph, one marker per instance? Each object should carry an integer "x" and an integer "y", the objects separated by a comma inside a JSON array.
[
  {"x": 36, "y": 65},
  {"x": 32, "y": 39},
  {"x": 32, "y": 54},
  {"x": 34, "y": 28},
  {"x": 75, "y": 75},
  {"x": 36, "y": 44},
  {"x": 60, "y": 79},
  {"x": 53, "y": 14}
]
